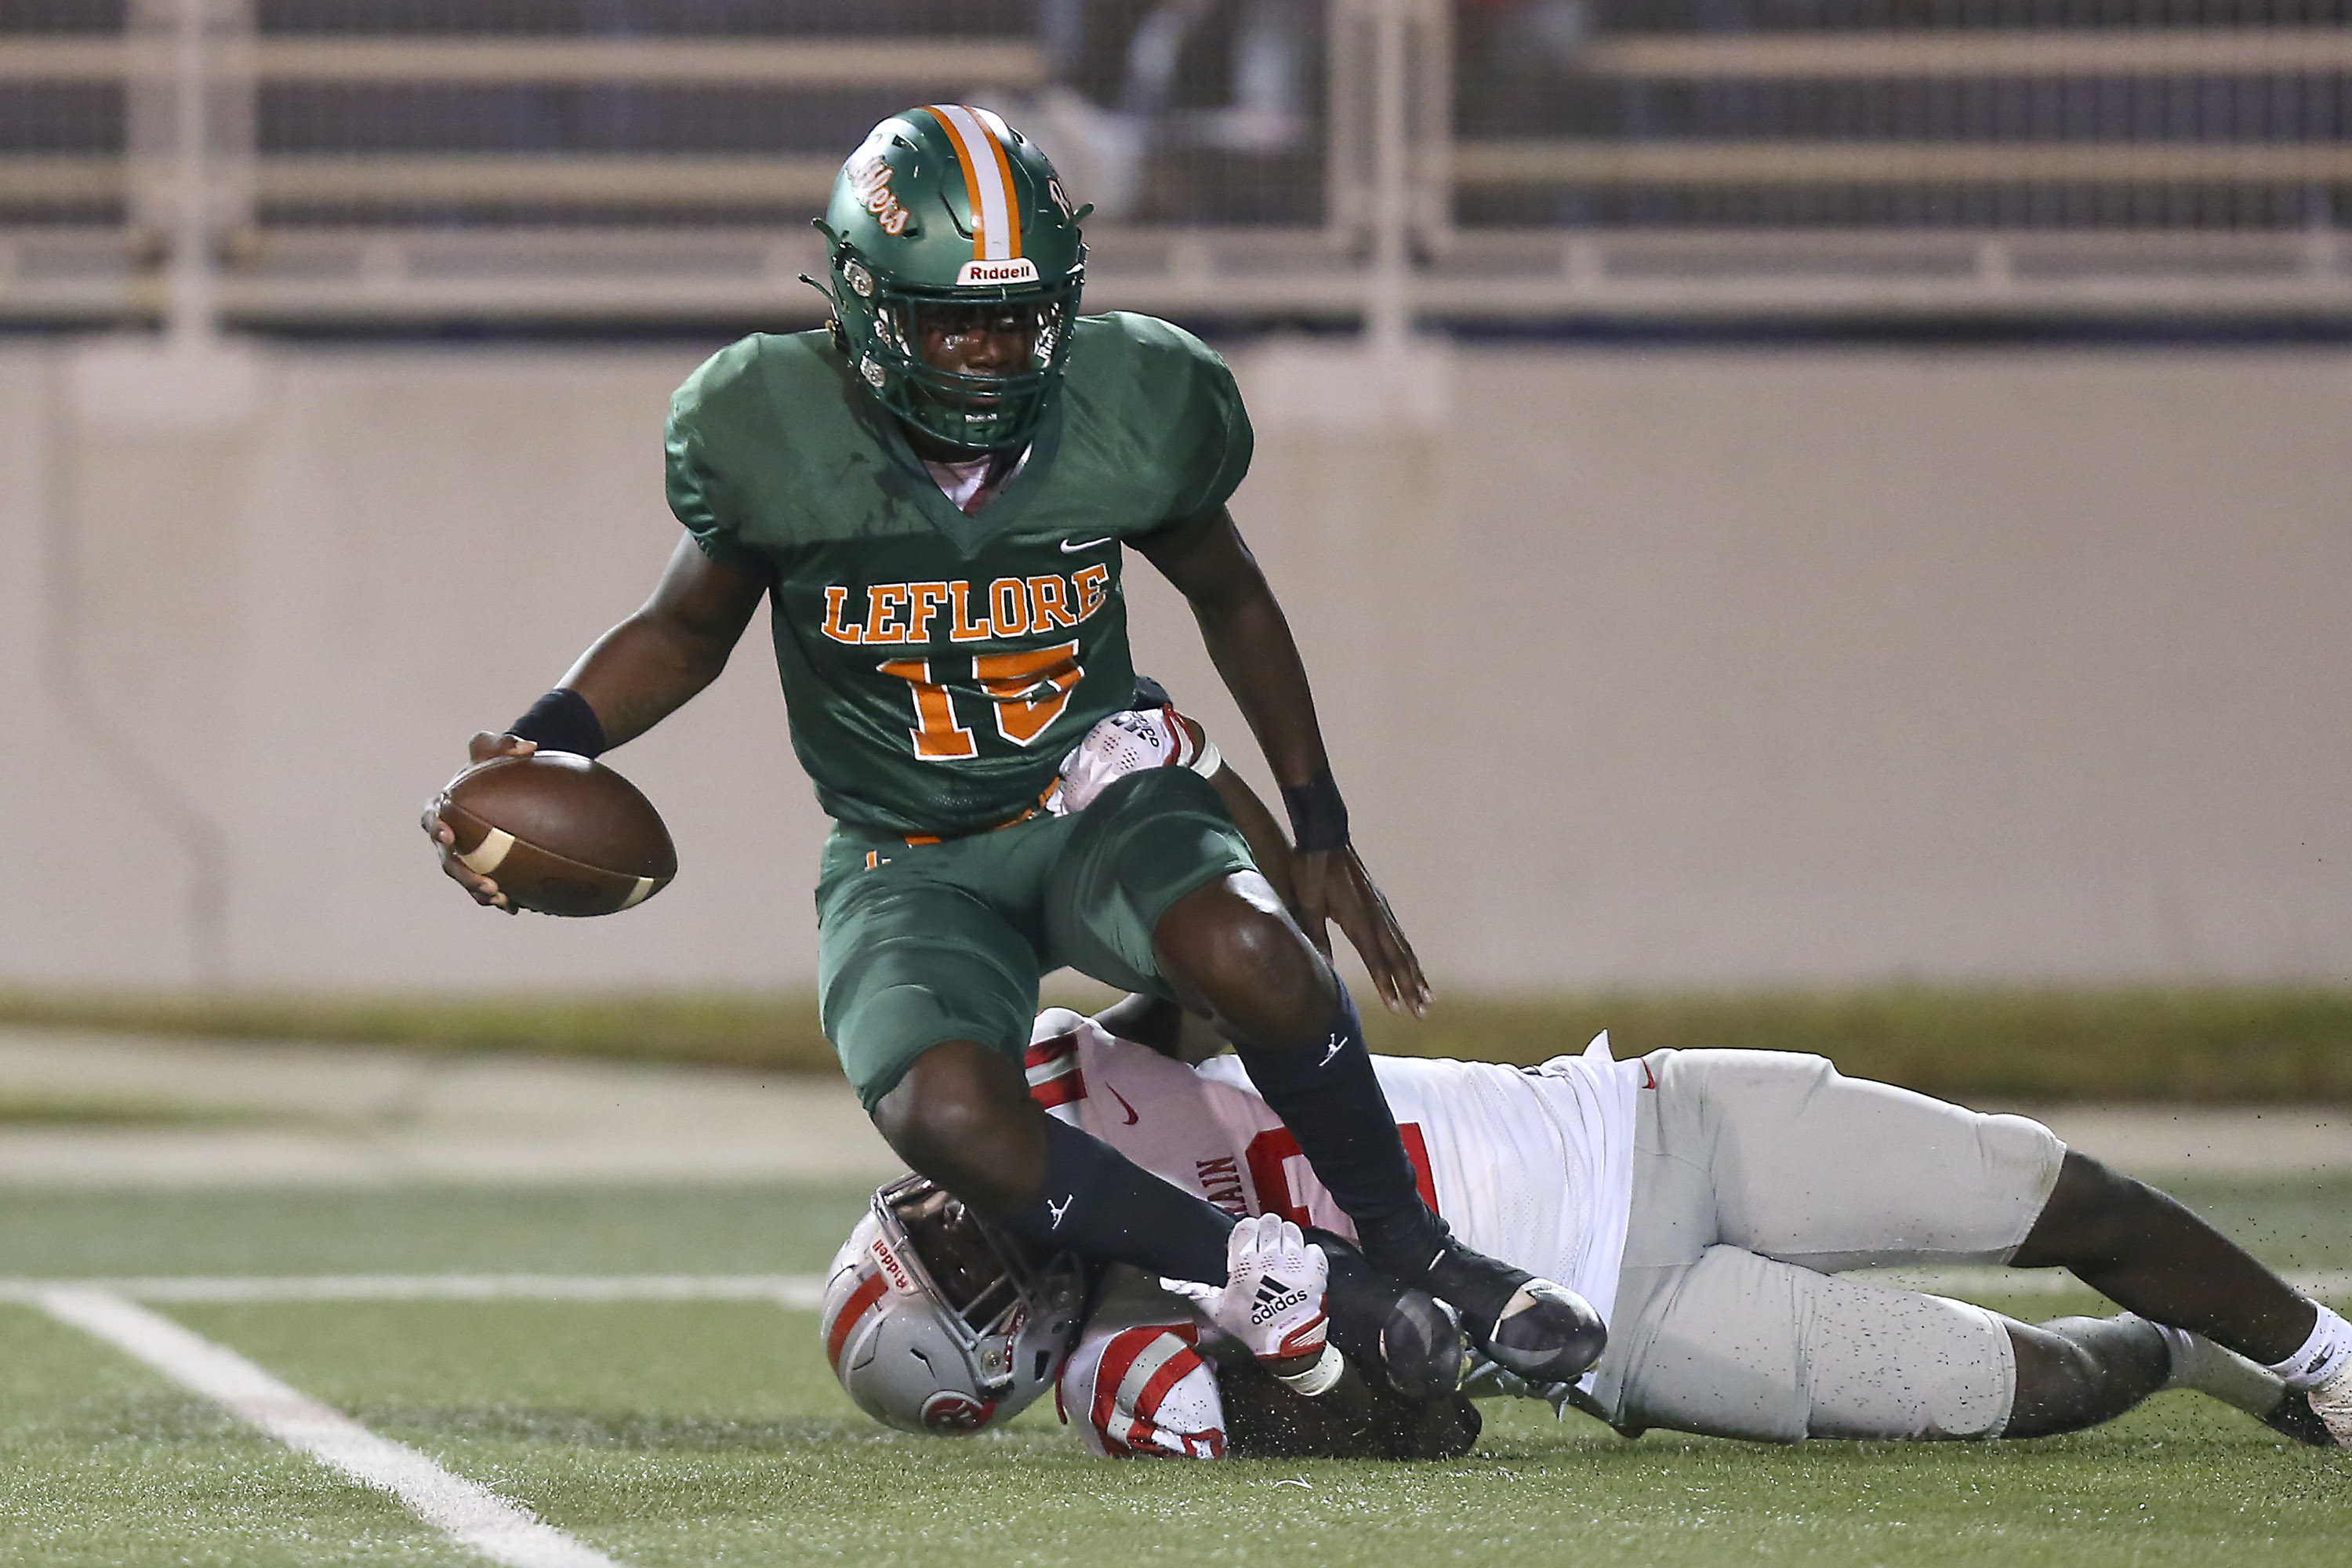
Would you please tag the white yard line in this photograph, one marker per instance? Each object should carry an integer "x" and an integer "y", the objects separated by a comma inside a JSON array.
[
  {"x": 471, "y": 1514},
  {"x": 803, "y": 1292}
]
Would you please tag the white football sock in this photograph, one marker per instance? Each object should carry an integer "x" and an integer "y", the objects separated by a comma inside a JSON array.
[
  {"x": 2211, "y": 1369},
  {"x": 2325, "y": 1353}
]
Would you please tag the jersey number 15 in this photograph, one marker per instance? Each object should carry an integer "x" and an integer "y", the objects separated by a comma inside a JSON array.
[{"x": 1028, "y": 691}]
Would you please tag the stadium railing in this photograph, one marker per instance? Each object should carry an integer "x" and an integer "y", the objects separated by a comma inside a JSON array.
[{"x": 1392, "y": 162}]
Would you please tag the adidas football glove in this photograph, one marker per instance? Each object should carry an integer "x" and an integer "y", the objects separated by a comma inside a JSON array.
[
  {"x": 1272, "y": 1300},
  {"x": 1125, "y": 743}
]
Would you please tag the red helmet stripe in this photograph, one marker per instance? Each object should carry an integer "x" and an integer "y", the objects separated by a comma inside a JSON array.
[{"x": 861, "y": 1301}]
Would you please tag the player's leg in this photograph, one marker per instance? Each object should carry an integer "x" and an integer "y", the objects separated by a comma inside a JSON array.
[
  {"x": 927, "y": 993},
  {"x": 1800, "y": 1162},
  {"x": 2074, "y": 1372},
  {"x": 961, "y": 1115},
  {"x": 1230, "y": 949},
  {"x": 1715, "y": 1338},
  {"x": 1804, "y": 1164},
  {"x": 2144, "y": 1251},
  {"x": 1156, "y": 891},
  {"x": 1738, "y": 1345}
]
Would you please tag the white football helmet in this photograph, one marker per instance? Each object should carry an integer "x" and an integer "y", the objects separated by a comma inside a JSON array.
[{"x": 937, "y": 1322}]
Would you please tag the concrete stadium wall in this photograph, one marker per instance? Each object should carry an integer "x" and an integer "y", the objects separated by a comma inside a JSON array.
[{"x": 1669, "y": 667}]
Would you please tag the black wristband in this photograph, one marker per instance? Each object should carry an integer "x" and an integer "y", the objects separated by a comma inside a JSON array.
[
  {"x": 1318, "y": 817},
  {"x": 562, "y": 721}
]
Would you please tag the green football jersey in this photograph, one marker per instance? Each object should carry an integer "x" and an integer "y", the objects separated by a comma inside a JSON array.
[{"x": 937, "y": 666}]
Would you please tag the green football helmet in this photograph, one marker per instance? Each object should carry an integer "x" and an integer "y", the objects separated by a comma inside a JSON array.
[{"x": 943, "y": 218}]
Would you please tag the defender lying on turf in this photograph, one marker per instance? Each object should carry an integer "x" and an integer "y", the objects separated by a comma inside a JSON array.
[{"x": 1703, "y": 1200}]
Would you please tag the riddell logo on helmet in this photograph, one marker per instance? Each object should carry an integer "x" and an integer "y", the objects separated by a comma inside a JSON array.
[
  {"x": 892, "y": 1269},
  {"x": 1020, "y": 269}
]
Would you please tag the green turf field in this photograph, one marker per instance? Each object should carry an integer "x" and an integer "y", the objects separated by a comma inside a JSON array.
[
  {"x": 709, "y": 1432},
  {"x": 2245, "y": 1045}
]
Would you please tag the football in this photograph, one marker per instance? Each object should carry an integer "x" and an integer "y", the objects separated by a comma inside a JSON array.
[{"x": 560, "y": 834}]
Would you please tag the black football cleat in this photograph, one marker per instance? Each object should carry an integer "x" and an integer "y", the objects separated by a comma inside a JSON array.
[
  {"x": 1540, "y": 1331},
  {"x": 2295, "y": 1418},
  {"x": 1401, "y": 1339},
  {"x": 1545, "y": 1333}
]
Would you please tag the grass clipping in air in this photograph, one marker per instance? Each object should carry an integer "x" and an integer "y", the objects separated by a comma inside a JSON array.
[{"x": 2218, "y": 1047}]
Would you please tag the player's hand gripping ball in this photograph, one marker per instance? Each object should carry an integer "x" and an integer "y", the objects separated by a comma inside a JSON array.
[{"x": 558, "y": 832}]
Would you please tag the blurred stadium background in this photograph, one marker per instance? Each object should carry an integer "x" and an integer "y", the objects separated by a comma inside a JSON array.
[
  {"x": 1774, "y": 493},
  {"x": 329, "y": 165},
  {"x": 1818, "y": 524}
]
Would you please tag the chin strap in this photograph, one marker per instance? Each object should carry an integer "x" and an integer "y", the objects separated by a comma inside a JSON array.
[{"x": 833, "y": 324}]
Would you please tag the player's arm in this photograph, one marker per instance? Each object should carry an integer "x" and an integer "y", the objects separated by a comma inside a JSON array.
[
  {"x": 635, "y": 676},
  {"x": 646, "y": 668},
  {"x": 1249, "y": 640}
]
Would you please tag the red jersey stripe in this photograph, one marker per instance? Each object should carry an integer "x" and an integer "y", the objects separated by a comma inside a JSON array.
[
  {"x": 1416, "y": 1153},
  {"x": 1117, "y": 1359},
  {"x": 1061, "y": 1047},
  {"x": 1060, "y": 1090},
  {"x": 1147, "y": 1404}
]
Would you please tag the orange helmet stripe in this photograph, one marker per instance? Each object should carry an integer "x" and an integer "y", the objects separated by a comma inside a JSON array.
[
  {"x": 997, "y": 132},
  {"x": 987, "y": 180}
]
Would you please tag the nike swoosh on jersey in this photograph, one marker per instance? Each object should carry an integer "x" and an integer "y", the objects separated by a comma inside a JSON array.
[
  {"x": 1071, "y": 548},
  {"x": 1123, "y": 1105}
]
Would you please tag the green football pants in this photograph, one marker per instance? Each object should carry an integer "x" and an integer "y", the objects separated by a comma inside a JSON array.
[{"x": 921, "y": 943}]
